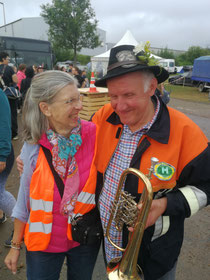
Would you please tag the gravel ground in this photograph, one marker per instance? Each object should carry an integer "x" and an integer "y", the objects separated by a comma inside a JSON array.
[{"x": 194, "y": 261}]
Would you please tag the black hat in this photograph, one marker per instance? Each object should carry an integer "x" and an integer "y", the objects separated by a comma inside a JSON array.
[{"x": 126, "y": 59}]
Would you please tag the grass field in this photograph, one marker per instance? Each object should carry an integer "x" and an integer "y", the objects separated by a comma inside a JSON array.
[{"x": 187, "y": 93}]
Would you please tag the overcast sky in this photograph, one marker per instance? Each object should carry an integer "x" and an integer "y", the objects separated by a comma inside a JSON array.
[{"x": 176, "y": 24}]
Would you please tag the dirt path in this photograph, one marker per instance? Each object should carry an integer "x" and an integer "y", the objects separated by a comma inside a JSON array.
[{"x": 194, "y": 261}]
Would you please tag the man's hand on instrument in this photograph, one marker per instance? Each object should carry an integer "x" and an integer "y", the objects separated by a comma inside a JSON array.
[{"x": 158, "y": 207}]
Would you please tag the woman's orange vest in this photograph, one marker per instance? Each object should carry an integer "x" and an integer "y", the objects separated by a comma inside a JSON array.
[{"x": 39, "y": 225}]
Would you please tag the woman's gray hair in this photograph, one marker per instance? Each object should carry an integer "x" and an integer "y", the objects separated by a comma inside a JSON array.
[{"x": 44, "y": 88}]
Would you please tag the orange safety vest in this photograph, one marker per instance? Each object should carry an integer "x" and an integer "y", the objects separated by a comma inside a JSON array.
[
  {"x": 171, "y": 152},
  {"x": 39, "y": 225}
]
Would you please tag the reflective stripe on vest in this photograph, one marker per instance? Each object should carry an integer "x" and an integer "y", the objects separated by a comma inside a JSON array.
[
  {"x": 40, "y": 204},
  {"x": 39, "y": 226},
  {"x": 89, "y": 198},
  {"x": 83, "y": 198}
]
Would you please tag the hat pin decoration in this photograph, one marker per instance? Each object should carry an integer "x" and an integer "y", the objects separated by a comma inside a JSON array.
[{"x": 142, "y": 51}]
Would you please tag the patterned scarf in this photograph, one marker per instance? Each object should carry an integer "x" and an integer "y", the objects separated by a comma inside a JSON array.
[{"x": 64, "y": 162}]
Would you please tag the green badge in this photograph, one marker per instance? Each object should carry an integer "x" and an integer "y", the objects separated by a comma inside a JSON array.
[{"x": 164, "y": 171}]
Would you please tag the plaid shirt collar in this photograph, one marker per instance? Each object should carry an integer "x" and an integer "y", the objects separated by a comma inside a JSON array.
[
  {"x": 147, "y": 127},
  {"x": 160, "y": 129}
]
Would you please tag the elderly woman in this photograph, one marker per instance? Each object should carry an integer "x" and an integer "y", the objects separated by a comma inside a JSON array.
[{"x": 57, "y": 156}]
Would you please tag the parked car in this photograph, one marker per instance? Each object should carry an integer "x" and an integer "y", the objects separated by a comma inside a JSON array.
[{"x": 182, "y": 79}]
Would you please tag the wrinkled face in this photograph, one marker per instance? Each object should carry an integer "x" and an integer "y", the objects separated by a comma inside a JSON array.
[
  {"x": 130, "y": 102},
  {"x": 63, "y": 112}
]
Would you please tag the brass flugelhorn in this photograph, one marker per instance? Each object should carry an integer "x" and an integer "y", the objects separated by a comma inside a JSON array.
[{"x": 124, "y": 210}]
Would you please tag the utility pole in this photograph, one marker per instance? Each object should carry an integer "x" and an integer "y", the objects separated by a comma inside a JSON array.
[{"x": 4, "y": 16}]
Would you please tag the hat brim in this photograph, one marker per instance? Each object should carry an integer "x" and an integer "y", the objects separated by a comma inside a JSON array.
[{"x": 160, "y": 73}]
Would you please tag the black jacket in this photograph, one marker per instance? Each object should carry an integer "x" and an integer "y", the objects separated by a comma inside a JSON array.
[{"x": 176, "y": 140}]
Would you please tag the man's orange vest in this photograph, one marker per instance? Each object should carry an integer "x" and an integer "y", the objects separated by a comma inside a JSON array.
[{"x": 171, "y": 152}]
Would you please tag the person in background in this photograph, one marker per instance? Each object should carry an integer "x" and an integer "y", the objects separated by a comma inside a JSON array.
[
  {"x": 40, "y": 69},
  {"x": 7, "y": 200},
  {"x": 63, "y": 68},
  {"x": 163, "y": 93},
  {"x": 56, "y": 67},
  {"x": 134, "y": 127},
  {"x": 77, "y": 75},
  {"x": 21, "y": 73},
  {"x": 25, "y": 84},
  {"x": 35, "y": 67},
  {"x": 3, "y": 217},
  {"x": 10, "y": 78},
  {"x": 56, "y": 142},
  {"x": 14, "y": 69},
  {"x": 70, "y": 67},
  {"x": 84, "y": 76}
]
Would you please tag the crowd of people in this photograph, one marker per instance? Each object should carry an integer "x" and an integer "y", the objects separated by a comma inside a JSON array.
[
  {"x": 70, "y": 171},
  {"x": 76, "y": 72}
]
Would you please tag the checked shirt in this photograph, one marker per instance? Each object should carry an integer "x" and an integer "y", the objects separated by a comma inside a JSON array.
[{"x": 119, "y": 162}]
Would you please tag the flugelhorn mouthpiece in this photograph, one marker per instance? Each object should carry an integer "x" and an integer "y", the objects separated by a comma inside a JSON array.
[{"x": 154, "y": 161}]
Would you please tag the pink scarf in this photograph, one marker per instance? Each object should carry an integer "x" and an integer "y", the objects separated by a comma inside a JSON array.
[{"x": 65, "y": 164}]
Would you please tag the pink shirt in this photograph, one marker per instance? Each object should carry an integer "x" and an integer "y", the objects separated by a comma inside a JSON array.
[
  {"x": 59, "y": 241},
  {"x": 20, "y": 75}
]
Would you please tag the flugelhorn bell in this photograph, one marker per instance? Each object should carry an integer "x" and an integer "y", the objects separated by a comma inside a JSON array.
[{"x": 127, "y": 267}]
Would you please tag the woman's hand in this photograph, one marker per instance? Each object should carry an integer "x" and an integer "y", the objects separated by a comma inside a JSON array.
[
  {"x": 11, "y": 260},
  {"x": 2, "y": 166},
  {"x": 20, "y": 165}
]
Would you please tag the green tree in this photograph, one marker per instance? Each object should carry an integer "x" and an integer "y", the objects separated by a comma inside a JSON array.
[
  {"x": 72, "y": 25},
  {"x": 165, "y": 53},
  {"x": 193, "y": 52},
  {"x": 62, "y": 54}
]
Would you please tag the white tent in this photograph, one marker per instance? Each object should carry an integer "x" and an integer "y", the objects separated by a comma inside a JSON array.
[{"x": 100, "y": 62}]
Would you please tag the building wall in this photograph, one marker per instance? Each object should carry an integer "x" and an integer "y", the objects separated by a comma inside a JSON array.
[
  {"x": 175, "y": 52},
  {"x": 36, "y": 28},
  {"x": 32, "y": 28}
]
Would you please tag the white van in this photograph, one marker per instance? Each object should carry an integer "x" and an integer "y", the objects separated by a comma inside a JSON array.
[{"x": 168, "y": 64}]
